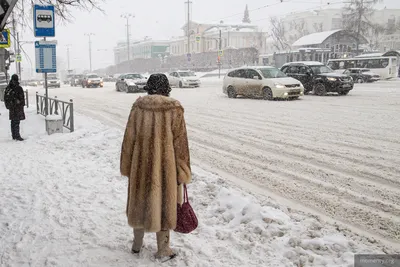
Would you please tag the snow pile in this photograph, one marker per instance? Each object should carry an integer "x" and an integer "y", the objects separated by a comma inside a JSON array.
[{"x": 63, "y": 204}]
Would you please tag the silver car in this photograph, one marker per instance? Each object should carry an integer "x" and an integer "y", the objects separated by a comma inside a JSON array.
[{"x": 266, "y": 82}]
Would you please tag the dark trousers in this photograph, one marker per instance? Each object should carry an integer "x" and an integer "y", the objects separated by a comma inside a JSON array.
[{"x": 15, "y": 129}]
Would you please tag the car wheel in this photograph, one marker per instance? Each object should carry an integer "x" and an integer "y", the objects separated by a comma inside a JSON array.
[
  {"x": 360, "y": 80},
  {"x": 232, "y": 92},
  {"x": 267, "y": 94},
  {"x": 344, "y": 93},
  {"x": 320, "y": 89},
  {"x": 180, "y": 85}
]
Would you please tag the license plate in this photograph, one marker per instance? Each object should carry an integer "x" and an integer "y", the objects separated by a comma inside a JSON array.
[{"x": 346, "y": 85}]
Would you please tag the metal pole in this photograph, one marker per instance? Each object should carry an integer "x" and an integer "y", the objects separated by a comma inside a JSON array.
[
  {"x": 47, "y": 91},
  {"x": 359, "y": 26},
  {"x": 90, "y": 52},
  {"x": 15, "y": 39},
  {"x": 19, "y": 53},
  {"x": 68, "y": 58},
  {"x": 219, "y": 58},
  {"x": 127, "y": 38},
  {"x": 188, "y": 30}
]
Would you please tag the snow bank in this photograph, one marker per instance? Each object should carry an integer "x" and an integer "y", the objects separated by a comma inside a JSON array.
[{"x": 63, "y": 204}]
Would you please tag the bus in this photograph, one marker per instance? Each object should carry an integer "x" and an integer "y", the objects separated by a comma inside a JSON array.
[{"x": 386, "y": 67}]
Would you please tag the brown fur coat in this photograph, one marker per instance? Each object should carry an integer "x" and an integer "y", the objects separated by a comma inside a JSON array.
[{"x": 155, "y": 157}]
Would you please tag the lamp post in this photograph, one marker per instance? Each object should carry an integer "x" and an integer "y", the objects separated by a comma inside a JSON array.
[
  {"x": 90, "y": 48},
  {"x": 127, "y": 16}
]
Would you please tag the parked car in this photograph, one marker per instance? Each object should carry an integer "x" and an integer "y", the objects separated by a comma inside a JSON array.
[
  {"x": 319, "y": 78},
  {"x": 33, "y": 83},
  {"x": 361, "y": 75},
  {"x": 92, "y": 80},
  {"x": 76, "y": 80},
  {"x": 131, "y": 83},
  {"x": 263, "y": 81},
  {"x": 183, "y": 79},
  {"x": 53, "y": 81}
]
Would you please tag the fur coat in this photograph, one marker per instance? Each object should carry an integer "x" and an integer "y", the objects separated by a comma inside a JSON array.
[{"x": 155, "y": 157}]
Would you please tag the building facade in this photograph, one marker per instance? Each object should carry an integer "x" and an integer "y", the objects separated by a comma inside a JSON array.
[{"x": 143, "y": 49}]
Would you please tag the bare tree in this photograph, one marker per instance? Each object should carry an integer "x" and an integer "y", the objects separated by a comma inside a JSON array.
[
  {"x": 23, "y": 9},
  {"x": 357, "y": 17},
  {"x": 300, "y": 28},
  {"x": 374, "y": 36},
  {"x": 278, "y": 32},
  {"x": 318, "y": 27}
]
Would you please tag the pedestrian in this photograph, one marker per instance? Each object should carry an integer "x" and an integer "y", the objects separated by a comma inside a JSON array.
[
  {"x": 155, "y": 157},
  {"x": 14, "y": 100}
]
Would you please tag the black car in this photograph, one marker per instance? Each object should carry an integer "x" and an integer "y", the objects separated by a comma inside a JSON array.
[
  {"x": 319, "y": 78},
  {"x": 361, "y": 75}
]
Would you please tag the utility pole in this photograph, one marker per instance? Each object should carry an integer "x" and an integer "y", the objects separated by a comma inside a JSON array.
[
  {"x": 19, "y": 62},
  {"x": 90, "y": 49},
  {"x": 359, "y": 25},
  {"x": 188, "y": 29},
  {"x": 68, "y": 58},
  {"x": 15, "y": 39},
  {"x": 127, "y": 16},
  {"x": 219, "y": 57}
]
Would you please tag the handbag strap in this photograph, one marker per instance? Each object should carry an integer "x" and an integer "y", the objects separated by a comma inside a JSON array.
[{"x": 185, "y": 194}]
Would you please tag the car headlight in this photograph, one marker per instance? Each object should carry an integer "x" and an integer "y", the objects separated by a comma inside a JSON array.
[
  {"x": 332, "y": 79},
  {"x": 184, "y": 80},
  {"x": 89, "y": 81},
  {"x": 131, "y": 84},
  {"x": 279, "y": 86}
]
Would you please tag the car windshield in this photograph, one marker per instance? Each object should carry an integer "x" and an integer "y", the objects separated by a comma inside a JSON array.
[
  {"x": 186, "y": 74},
  {"x": 133, "y": 76},
  {"x": 52, "y": 76},
  {"x": 93, "y": 76},
  {"x": 269, "y": 73},
  {"x": 321, "y": 69},
  {"x": 365, "y": 70}
]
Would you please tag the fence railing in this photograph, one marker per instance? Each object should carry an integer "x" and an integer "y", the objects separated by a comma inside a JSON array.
[
  {"x": 57, "y": 107},
  {"x": 26, "y": 99}
]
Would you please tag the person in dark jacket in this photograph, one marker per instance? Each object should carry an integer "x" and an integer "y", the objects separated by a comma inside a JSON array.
[{"x": 16, "y": 108}]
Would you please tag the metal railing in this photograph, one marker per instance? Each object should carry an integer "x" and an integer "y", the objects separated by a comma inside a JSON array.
[
  {"x": 26, "y": 99},
  {"x": 56, "y": 107}
]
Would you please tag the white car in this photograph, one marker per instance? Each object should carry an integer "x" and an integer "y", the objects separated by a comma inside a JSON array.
[
  {"x": 263, "y": 81},
  {"x": 131, "y": 82},
  {"x": 53, "y": 81},
  {"x": 183, "y": 79}
]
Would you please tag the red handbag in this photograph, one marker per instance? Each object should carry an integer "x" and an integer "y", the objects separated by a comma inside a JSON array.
[{"x": 186, "y": 218}]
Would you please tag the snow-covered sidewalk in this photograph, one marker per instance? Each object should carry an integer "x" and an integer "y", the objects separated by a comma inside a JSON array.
[{"x": 63, "y": 204}]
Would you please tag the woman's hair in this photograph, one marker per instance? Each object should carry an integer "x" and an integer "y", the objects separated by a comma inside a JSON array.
[{"x": 158, "y": 84}]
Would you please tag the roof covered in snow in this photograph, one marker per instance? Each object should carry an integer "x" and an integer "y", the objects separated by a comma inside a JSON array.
[{"x": 315, "y": 38}]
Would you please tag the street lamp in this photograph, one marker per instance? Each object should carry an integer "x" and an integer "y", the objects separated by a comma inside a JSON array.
[
  {"x": 69, "y": 66},
  {"x": 127, "y": 16},
  {"x": 90, "y": 48}
]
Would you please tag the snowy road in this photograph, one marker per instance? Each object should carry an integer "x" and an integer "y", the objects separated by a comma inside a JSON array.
[{"x": 338, "y": 157}]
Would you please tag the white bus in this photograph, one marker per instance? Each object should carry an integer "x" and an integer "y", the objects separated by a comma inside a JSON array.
[{"x": 386, "y": 67}]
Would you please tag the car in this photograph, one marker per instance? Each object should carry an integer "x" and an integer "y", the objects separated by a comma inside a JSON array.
[
  {"x": 361, "y": 75},
  {"x": 183, "y": 79},
  {"x": 262, "y": 81},
  {"x": 131, "y": 83},
  {"x": 319, "y": 78},
  {"x": 53, "y": 81},
  {"x": 76, "y": 80},
  {"x": 33, "y": 83},
  {"x": 92, "y": 80}
]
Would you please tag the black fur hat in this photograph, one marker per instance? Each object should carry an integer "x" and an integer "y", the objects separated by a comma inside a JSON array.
[{"x": 158, "y": 84}]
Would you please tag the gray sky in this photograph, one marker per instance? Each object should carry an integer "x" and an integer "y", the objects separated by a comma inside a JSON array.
[{"x": 159, "y": 19}]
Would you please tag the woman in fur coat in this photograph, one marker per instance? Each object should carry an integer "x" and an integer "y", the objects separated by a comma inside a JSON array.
[{"x": 155, "y": 157}]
